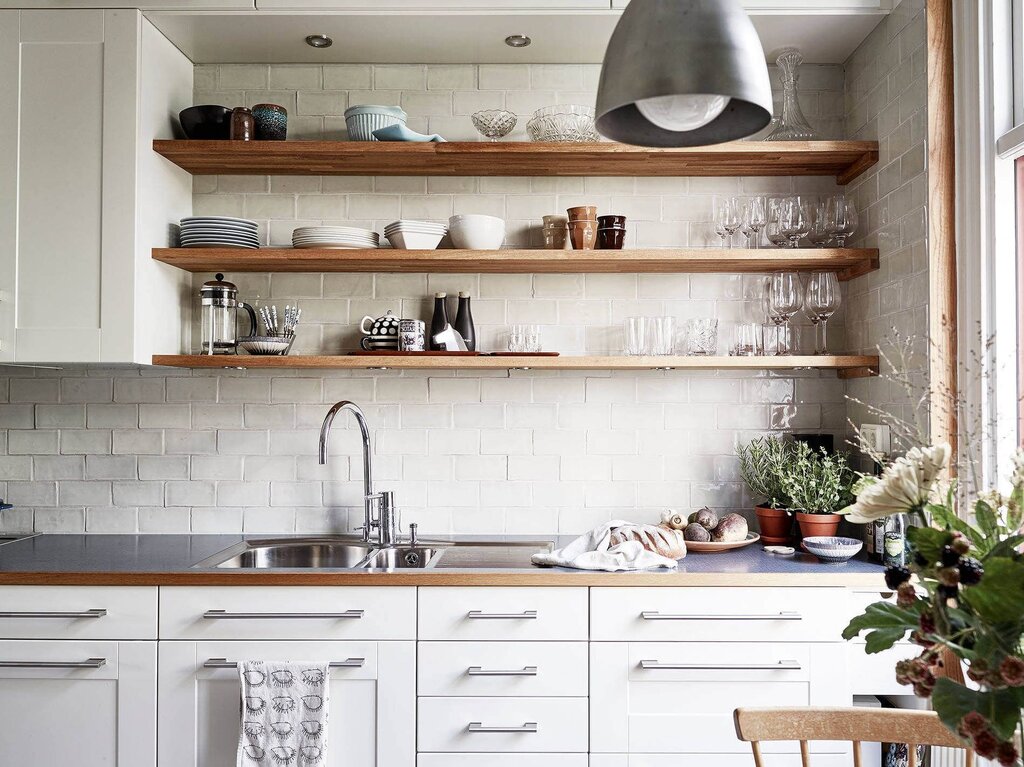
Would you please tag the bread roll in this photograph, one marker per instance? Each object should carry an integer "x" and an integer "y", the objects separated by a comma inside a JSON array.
[{"x": 659, "y": 539}]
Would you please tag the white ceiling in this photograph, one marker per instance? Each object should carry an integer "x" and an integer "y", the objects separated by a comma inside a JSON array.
[{"x": 465, "y": 37}]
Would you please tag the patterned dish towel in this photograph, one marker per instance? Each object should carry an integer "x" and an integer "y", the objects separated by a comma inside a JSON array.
[{"x": 284, "y": 714}]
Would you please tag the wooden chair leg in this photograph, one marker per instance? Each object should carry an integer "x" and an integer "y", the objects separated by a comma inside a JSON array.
[
  {"x": 856, "y": 753},
  {"x": 911, "y": 755},
  {"x": 755, "y": 747},
  {"x": 805, "y": 756}
]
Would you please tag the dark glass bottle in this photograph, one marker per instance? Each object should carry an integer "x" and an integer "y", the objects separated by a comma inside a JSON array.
[
  {"x": 439, "y": 322},
  {"x": 464, "y": 322}
]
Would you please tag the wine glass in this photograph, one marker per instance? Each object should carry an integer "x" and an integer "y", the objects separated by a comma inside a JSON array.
[
  {"x": 727, "y": 217},
  {"x": 795, "y": 219},
  {"x": 784, "y": 300},
  {"x": 820, "y": 235},
  {"x": 842, "y": 218},
  {"x": 772, "y": 230},
  {"x": 821, "y": 300},
  {"x": 755, "y": 217}
]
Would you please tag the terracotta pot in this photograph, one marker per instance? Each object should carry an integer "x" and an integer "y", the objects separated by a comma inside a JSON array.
[
  {"x": 583, "y": 235},
  {"x": 776, "y": 525},
  {"x": 817, "y": 524}
]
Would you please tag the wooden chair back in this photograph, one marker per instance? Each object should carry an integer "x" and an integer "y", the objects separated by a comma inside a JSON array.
[{"x": 857, "y": 725}]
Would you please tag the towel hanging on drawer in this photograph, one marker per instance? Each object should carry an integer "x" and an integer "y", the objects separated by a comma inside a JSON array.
[{"x": 284, "y": 713}]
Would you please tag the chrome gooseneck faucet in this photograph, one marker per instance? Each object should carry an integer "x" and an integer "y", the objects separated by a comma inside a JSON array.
[{"x": 385, "y": 521}]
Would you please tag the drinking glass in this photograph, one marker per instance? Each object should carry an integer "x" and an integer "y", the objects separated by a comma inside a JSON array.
[
  {"x": 795, "y": 219},
  {"x": 524, "y": 339},
  {"x": 785, "y": 297},
  {"x": 755, "y": 217},
  {"x": 773, "y": 229},
  {"x": 820, "y": 235},
  {"x": 634, "y": 331},
  {"x": 821, "y": 300},
  {"x": 842, "y": 218},
  {"x": 727, "y": 218},
  {"x": 749, "y": 341},
  {"x": 702, "y": 337},
  {"x": 661, "y": 336}
]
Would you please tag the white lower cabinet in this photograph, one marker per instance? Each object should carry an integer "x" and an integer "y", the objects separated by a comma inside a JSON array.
[
  {"x": 86, "y": 703},
  {"x": 372, "y": 708}
]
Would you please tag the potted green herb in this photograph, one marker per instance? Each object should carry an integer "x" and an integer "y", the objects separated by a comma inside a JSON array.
[
  {"x": 763, "y": 461},
  {"x": 819, "y": 484}
]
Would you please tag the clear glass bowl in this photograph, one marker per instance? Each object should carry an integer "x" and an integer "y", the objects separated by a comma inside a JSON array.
[
  {"x": 564, "y": 123},
  {"x": 494, "y": 123}
]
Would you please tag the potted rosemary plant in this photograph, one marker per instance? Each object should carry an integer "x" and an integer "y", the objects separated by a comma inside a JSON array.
[
  {"x": 819, "y": 484},
  {"x": 763, "y": 461}
]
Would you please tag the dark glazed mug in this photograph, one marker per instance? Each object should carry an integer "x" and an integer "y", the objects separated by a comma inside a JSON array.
[
  {"x": 271, "y": 122},
  {"x": 243, "y": 126},
  {"x": 611, "y": 238}
]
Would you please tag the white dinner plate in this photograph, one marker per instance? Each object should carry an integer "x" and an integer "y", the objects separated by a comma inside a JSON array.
[
  {"x": 240, "y": 246},
  {"x": 220, "y": 219}
]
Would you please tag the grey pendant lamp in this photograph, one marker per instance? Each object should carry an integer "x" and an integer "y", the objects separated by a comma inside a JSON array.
[{"x": 683, "y": 73}]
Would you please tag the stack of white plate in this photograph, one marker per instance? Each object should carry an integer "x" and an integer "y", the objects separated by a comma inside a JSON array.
[
  {"x": 334, "y": 237},
  {"x": 415, "y": 235},
  {"x": 218, "y": 232}
]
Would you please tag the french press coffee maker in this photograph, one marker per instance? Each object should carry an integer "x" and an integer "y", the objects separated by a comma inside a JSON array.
[{"x": 219, "y": 306}]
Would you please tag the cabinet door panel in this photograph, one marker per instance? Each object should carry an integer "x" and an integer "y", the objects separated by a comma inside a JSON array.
[
  {"x": 90, "y": 716},
  {"x": 517, "y": 669}
]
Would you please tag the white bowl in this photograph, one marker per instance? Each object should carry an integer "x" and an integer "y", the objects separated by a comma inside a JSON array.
[
  {"x": 414, "y": 240},
  {"x": 832, "y": 548},
  {"x": 476, "y": 232}
]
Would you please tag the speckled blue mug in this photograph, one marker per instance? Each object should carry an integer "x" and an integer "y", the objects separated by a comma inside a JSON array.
[{"x": 271, "y": 122}]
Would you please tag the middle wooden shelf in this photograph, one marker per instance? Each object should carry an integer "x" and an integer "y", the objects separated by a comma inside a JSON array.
[{"x": 846, "y": 262}]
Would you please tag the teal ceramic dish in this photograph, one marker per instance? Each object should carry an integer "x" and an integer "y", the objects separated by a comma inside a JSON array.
[
  {"x": 399, "y": 132},
  {"x": 271, "y": 122}
]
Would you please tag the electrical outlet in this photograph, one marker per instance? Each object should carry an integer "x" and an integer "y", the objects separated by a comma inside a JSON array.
[{"x": 877, "y": 437}]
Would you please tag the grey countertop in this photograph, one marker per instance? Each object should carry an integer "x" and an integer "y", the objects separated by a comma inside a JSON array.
[{"x": 171, "y": 560}]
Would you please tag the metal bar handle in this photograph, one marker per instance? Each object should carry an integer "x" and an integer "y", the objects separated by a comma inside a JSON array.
[
  {"x": 524, "y": 671},
  {"x": 481, "y": 615},
  {"x": 787, "y": 665},
  {"x": 224, "y": 615},
  {"x": 479, "y": 727},
  {"x": 95, "y": 613},
  {"x": 654, "y": 615},
  {"x": 90, "y": 663},
  {"x": 225, "y": 663}
]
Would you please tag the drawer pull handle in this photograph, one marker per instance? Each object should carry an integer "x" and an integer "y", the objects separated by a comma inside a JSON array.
[
  {"x": 90, "y": 663},
  {"x": 224, "y": 615},
  {"x": 654, "y": 615},
  {"x": 478, "y": 727},
  {"x": 481, "y": 615},
  {"x": 96, "y": 613},
  {"x": 225, "y": 663},
  {"x": 655, "y": 665},
  {"x": 524, "y": 671}
]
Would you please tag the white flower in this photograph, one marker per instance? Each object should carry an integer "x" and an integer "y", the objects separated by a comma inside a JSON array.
[{"x": 905, "y": 485}]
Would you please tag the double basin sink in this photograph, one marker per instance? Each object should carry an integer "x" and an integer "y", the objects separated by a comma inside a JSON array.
[{"x": 353, "y": 554}]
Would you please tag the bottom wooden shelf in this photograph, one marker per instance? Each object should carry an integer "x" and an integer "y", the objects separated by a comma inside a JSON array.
[{"x": 847, "y": 366}]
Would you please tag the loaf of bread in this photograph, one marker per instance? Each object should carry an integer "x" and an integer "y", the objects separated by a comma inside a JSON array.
[{"x": 657, "y": 538}]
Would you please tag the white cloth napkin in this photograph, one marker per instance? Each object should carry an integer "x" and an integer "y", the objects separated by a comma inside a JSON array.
[
  {"x": 284, "y": 713},
  {"x": 591, "y": 551}
]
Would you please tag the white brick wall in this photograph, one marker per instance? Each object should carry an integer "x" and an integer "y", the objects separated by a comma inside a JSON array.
[{"x": 99, "y": 450}]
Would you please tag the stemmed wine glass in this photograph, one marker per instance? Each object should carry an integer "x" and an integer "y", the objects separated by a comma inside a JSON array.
[
  {"x": 755, "y": 217},
  {"x": 794, "y": 219},
  {"x": 727, "y": 219},
  {"x": 842, "y": 218},
  {"x": 821, "y": 300},
  {"x": 773, "y": 230},
  {"x": 820, "y": 235},
  {"x": 784, "y": 299}
]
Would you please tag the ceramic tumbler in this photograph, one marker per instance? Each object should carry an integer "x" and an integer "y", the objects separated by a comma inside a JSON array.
[
  {"x": 243, "y": 126},
  {"x": 412, "y": 335},
  {"x": 271, "y": 122},
  {"x": 582, "y": 213},
  {"x": 611, "y": 238},
  {"x": 611, "y": 222},
  {"x": 583, "y": 234}
]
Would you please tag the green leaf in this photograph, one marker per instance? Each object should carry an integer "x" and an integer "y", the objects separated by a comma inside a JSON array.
[
  {"x": 886, "y": 624},
  {"x": 1001, "y": 708},
  {"x": 999, "y": 598},
  {"x": 987, "y": 519},
  {"x": 1005, "y": 548},
  {"x": 946, "y": 517},
  {"x": 929, "y": 542}
]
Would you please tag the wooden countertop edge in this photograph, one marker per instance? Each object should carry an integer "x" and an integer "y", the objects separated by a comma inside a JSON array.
[{"x": 435, "y": 578}]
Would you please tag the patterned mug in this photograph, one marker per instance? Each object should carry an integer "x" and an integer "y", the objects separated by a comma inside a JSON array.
[{"x": 412, "y": 335}]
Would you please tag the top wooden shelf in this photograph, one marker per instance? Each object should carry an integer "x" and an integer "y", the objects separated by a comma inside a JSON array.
[{"x": 843, "y": 159}]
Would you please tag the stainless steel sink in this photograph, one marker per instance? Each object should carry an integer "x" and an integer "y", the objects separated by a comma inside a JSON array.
[
  {"x": 403, "y": 557},
  {"x": 292, "y": 553}
]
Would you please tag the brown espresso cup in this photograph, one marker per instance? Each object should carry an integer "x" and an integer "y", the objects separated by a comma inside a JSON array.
[
  {"x": 611, "y": 222},
  {"x": 611, "y": 238},
  {"x": 583, "y": 235},
  {"x": 582, "y": 213}
]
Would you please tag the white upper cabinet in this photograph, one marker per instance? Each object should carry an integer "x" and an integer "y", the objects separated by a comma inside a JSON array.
[
  {"x": 438, "y": 5},
  {"x": 145, "y": 5},
  {"x": 73, "y": 177}
]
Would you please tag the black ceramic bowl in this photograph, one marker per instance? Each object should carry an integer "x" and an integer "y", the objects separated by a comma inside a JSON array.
[{"x": 206, "y": 122}]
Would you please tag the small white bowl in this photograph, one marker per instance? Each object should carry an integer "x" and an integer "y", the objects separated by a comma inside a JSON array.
[
  {"x": 409, "y": 240},
  {"x": 832, "y": 548},
  {"x": 476, "y": 232}
]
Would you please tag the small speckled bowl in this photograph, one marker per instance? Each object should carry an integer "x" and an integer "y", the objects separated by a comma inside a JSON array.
[
  {"x": 271, "y": 122},
  {"x": 831, "y": 548}
]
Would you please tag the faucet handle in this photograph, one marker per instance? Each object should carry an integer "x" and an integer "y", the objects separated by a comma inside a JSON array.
[{"x": 413, "y": 527}]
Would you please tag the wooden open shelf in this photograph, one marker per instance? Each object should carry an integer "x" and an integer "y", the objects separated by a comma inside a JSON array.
[
  {"x": 843, "y": 159},
  {"x": 847, "y": 263},
  {"x": 847, "y": 366}
]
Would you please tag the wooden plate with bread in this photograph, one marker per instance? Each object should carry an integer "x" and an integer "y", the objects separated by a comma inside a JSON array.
[{"x": 711, "y": 547}]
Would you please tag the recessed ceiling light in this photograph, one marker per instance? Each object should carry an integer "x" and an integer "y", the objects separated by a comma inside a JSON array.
[
  {"x": 319, "y": 41},
  {"x": 517, "y": 41}
]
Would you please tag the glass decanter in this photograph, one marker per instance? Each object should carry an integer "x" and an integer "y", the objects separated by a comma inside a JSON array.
[{"x": 791, "y": 125}]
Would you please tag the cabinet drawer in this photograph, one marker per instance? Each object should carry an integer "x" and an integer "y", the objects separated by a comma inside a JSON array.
[
  {"x": 483, "y": 725},
  {"x": 718, "y": 614},
  {"x": 285, "y": 612},
  {"x": 876, "y": 674},
  {"x": 502, "y": 760},
  {"x": 76, "y": 661},
  {"x": 77, "y": 612},
  {"x": 520, "y": 669},
  {"x": 496, "y": 614}
]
